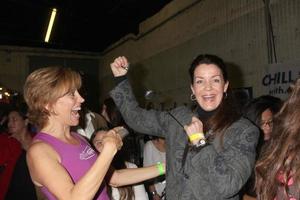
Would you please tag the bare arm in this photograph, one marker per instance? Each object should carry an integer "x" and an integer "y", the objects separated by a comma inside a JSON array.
[
  {"x": 128, "y": 176},
  {"x": 46, "y": 170},
  {"x": 132, "y": 176}
]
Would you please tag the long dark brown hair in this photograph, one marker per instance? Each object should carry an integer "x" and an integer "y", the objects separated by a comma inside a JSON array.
[
  {"x": 227, "y": 112},
  {"x": 119, "y": 162},
  {"x": 114, "y": 115},
  {"x": 282, "y": 155}
]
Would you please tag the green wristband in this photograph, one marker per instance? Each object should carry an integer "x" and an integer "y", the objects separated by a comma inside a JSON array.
[{"x": 160, "y": 168}]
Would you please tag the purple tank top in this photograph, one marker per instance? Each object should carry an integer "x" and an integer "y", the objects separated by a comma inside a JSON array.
[{"x": 77, "y": 160}]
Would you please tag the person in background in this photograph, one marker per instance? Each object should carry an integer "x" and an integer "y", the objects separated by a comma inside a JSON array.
[
  {"x": 111, "y": 113},
  {"x": 126, "y": 157},
  {"x": 18, "y": 125},
  {"x": 21, "y": 185},
  {"x": 10, "y": 151},
  {"x": 20, "y": 128},
  {"x": 60, "y": 161},
  {"x": 260, "y": 111},
  {"x": 278, "y": 168},
  {"x": 114, "y": 118},
  {"x": 154, "y": 152},
  {"x": 210, "y": 151},
  {"x": 120, "y": 161},
  {"x": 89, "y": 122},
  {"x": 15, "y": 182}
]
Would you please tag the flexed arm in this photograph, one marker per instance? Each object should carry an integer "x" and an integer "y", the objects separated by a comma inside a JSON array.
[
  {"x": 141, "y": 120},
  {"x": 46, "y": 170},
  {"x": 127, "y": 176},
  {"x": 130, "y": 176}
]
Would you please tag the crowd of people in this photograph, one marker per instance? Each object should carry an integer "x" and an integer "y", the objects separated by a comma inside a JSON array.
[{"x": 54, "y": 147}]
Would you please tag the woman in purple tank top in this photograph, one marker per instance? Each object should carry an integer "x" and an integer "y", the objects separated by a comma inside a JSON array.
[{"x": 62, "y": 162}]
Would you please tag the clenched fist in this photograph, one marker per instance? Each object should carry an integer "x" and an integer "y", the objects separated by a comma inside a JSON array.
[{"x": 120, "y": 66}]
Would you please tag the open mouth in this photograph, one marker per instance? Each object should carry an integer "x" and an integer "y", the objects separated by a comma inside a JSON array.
[
  {"x": 75, "y": 112},
  {"x": 208, "y": 97}
]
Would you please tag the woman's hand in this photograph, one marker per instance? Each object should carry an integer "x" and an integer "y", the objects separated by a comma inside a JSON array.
[
  {"x": 195, "y": 127},
  {"x": 109, "y": 139},
  {"x": 120, "y": 66}
]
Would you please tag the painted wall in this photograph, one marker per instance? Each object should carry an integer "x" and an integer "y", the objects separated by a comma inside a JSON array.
[
  {"x": 235, "y": 30},
  {"x": 17, "y": 62},
  {"x": 161, "y": 53}
]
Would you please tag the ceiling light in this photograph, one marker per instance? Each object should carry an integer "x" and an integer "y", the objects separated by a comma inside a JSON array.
[{"x": 50, "y": 25}]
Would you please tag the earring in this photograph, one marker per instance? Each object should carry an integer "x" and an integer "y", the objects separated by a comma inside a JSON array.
[
  {"x": 193, "y": 97},
  {"x": 225, "y": 95}
]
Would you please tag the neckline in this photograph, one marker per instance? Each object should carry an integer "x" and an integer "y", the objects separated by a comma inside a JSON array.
[
  {"x": 63, "y": 142},
  {"x": 205, "y": 115}
]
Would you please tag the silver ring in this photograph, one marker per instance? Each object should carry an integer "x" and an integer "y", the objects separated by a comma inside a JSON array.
[{"x": 126, "y": 67}]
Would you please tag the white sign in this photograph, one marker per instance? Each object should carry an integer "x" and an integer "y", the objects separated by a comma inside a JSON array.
[{"x": 278, "y": 78}]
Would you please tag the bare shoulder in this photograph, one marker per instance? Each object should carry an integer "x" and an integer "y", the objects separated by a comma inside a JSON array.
[
  {"x": 40, "y": 157},
  {"x": 41, "y": 149}
]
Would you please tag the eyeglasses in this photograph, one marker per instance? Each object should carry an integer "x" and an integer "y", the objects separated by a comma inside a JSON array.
[{"x": 267, "y": 123}]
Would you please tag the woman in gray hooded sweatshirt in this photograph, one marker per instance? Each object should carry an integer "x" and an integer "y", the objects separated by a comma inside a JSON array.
[{"x": 210, "y": 149}]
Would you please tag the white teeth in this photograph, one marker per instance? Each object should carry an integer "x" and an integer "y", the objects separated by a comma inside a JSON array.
[
  {"x": 75, "y": 113},
  {"x": 208, "y": 97}
]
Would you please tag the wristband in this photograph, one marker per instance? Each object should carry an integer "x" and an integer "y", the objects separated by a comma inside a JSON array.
[
  {"x": 196, "y": 136},
  {"x": 160, "y": 168}
]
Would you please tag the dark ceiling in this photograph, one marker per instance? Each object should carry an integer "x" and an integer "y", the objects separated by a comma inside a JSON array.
[{"x": 80, "y": 25}]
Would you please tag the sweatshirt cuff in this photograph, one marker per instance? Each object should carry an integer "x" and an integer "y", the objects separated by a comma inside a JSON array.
[{"x": 120, "y": 79}]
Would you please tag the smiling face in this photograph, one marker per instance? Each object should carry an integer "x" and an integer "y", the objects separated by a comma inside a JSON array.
[
  {"x": 46, "y": 87},
  {"x": 208, "y": 86},
  {"x": 65, "y": 109},
  {"x": 267, "y": 123}
]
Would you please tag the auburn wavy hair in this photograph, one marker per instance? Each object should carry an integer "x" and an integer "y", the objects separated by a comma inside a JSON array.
[
  {"x": 282, "y": 155},
  {"x": 43, "y": 87}
]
